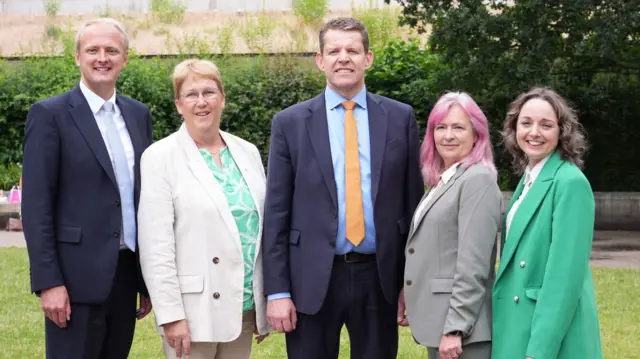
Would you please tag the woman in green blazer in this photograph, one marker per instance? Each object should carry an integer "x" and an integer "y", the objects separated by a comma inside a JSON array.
[{"x": 543, "y": 298}]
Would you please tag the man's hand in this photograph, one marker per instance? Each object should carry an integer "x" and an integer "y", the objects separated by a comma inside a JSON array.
[
  {"x": 281, "y": 315},
  {"x": 145, "y": 307},
  {"x": 402, "y": 310},
  {"x": 55, "y": 304},
  {"x": 177, "y": 335},
  {"x": 450, "y": 346}
]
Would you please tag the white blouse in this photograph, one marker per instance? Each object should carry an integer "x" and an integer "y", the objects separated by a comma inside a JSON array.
[{"x": 445, "y": 177}]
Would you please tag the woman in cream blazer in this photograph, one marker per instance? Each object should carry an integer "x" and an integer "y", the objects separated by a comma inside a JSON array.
[
  {"x": 200, "y": 223},
  {"x": 451, "y": 248}
]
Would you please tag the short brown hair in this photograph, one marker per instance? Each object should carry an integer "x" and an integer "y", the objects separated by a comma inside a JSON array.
[
  {"x": 200, "y": 68},
  {"x": 345, "y": 24},
  {"x": 571, "y": 142}
]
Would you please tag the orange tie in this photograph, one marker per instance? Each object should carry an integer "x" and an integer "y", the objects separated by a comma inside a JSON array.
[{"x": 353, "y": 187}]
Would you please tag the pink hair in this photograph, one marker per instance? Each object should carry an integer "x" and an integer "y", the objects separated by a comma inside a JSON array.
[{"x": 432, "y": 163}]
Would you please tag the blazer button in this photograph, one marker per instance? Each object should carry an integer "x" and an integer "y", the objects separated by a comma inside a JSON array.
[
  {"x": 522, "y": 264},
  {"x": 516, "y": 299},
  {"x": 411, "y": 251},
  {"x": 216, "y": 295},
  {"x": 216, "y": 260},
  {"x": 116, "y": 234},
  {"x": 117, "y": 203},
  {"x": 409, "y": 282}
]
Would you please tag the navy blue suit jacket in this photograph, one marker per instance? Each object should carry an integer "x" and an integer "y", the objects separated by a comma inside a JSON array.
[
  {"x": 301, "y": 209},
  {"x": 71, "y": 204}
]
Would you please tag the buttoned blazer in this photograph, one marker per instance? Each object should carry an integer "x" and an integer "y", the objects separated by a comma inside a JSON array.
[
  {"x": 544, "y": 301},
  {"x": 71, "y": 211},
  {"x": 190, "y": 249},
  {"x": 450, "y": 259}
]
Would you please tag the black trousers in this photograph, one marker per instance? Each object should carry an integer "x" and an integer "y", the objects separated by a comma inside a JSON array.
[
  {"x": 99, "y": 331},
  {"x": 354, "y": 299}
]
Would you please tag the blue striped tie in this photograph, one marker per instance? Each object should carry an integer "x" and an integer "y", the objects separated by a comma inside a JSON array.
[{"x": 121, "y": 169}]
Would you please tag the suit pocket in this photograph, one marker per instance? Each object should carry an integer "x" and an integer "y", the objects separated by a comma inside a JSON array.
[
  {"x": 402, "y": 226},
  {"x": 441, "y": 285},
  {"x": 67, "y": 234},
  {"x": 294, "y": 237},
  {"x": 532, "y": 293},
  {"x": 191, "y": 283}
]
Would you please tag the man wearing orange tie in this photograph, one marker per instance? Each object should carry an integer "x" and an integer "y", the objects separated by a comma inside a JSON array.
[{"x": 343, "y": 182}]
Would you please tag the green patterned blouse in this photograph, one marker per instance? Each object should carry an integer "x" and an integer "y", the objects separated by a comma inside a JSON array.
[{"x": 244, "y": 212}]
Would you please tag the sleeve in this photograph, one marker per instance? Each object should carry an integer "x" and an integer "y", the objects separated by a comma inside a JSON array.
[
  {"x": 142, "y": 287},
  {"x": 278, "y": 200},
  {"x": 156, "y": 240},
  {"x": 41, "y": 149},
  {"x": 567, "y": 266},
  {"x": 478, "y": 219}
]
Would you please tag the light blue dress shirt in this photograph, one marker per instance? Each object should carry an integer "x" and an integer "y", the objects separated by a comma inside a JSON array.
[{"x": 335, "y": 120}]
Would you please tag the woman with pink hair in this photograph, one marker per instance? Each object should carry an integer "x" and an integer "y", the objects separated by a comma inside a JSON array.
[{"x": 451, "y": 249}]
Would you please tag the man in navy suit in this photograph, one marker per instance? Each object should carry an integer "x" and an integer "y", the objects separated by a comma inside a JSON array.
[
  {"x": 343, "y": 182},
  {"x": 80, "y": 192}
]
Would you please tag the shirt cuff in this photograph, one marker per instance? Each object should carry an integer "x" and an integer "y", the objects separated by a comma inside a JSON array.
[{"x": 279, "y": 296}]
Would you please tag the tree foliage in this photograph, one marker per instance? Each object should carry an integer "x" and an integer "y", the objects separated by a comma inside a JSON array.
[{"x": 587, "y": 50}]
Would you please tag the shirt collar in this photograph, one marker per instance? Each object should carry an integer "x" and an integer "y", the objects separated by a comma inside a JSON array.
[
  {"x": 448, "y": 174},
  {"x": 333, "y": 99},
  {"x": 95, "y": 101},
  {"x": 532, "y": 173}
]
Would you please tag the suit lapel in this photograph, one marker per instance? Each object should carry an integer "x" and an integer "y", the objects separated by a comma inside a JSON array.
[
  {"x": 319, "y": 134},
  {"x": 203, "y": 174},
  {"x": 378, "y": 119},
  {"x": 86, "y": 123},
  {"x": 436, "y": 196},
  {"x": 130, "y": 120},
  {"x": 526, "y": 210},
  {"x": 128, "y": 114},
  {"x": 246, "y": 166}
]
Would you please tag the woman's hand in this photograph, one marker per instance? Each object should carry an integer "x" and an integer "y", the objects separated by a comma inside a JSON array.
[
  {"x": 450, "y": 346},
  {"x": 177, "y": 335},
  {"x": 259, "y": 338}
]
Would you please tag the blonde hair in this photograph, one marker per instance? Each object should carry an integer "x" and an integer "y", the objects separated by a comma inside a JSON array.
[
  {"x": 108, "y": 21},
  {"x": 199, "y": 68}
]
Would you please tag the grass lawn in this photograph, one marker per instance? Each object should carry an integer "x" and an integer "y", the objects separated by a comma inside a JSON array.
[{"x": 21, "y": 322}]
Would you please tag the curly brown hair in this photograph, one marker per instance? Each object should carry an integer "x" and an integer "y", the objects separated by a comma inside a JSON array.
[{"x": 572, "y": 143}]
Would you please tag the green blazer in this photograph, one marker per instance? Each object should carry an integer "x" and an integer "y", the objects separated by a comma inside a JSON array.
[{"x": 544, "y": 304}]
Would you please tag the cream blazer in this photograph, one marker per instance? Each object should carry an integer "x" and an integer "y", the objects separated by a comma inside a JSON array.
[{"x": 190, "y": 250}]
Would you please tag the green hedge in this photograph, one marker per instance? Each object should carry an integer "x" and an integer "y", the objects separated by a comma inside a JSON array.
[{"x": 259, "y": 87}]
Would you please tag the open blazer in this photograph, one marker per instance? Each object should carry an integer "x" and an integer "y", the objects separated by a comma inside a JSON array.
[
  {"x": 190, "y": 249},
  {"x": 451, "y": 257},
  {"x": 544, "y": 305}
]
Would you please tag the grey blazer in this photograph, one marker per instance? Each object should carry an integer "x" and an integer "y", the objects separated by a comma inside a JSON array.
[{"x": 450, "y": 259}]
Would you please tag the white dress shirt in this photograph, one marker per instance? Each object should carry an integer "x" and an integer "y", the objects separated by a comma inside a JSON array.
[
  {"x": 95, "y": 103},
  {"x": 445, "y": 177},
  {"x": 530, "y": 176}
]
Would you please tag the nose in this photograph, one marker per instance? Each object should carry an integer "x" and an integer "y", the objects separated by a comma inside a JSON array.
[
  {"x": 535, "y": 130},
  {"x": 102, "y": 55},
  {"x": 344, "y": 56},
  {"x": 448, "y": 134}
]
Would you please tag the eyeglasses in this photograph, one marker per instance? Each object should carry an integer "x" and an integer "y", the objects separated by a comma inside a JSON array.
[{"x": 207, "y": 94}]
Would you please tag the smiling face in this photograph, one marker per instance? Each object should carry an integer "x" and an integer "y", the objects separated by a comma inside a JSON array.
[
  {"x": 537, "y": 130},
  {"x": 344, "y": 61},
  {"x": 101, "y": 56},
  {"x": 200, "y": 103},
  {"x": 454, "y": 136}
]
